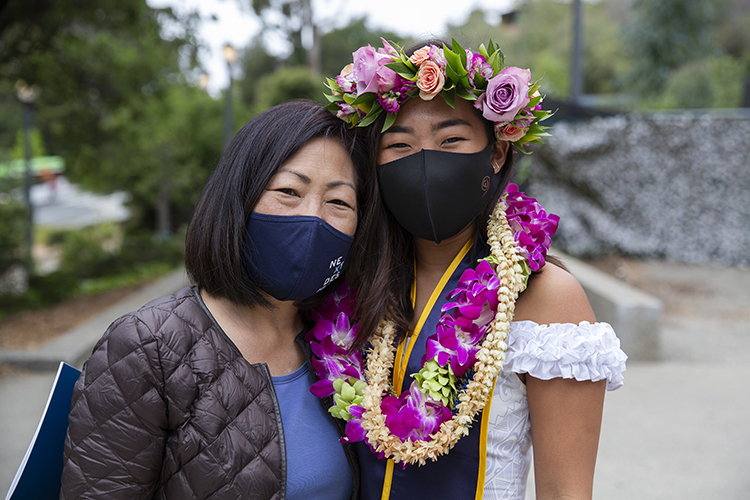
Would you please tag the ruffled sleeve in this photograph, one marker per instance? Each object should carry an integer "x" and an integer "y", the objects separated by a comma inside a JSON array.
[{"x": 584, "y": 352}]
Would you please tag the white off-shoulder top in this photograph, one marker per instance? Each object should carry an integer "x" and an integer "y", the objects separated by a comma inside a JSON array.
[{"x": 582, "y": 352}]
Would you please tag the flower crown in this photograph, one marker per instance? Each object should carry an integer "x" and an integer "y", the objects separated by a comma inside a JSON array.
[{"x": 383, "y": 79}]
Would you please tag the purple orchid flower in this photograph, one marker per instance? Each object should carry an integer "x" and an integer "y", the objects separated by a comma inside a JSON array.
[
  {"x": 413, "y": 415},
  {"x": 456, "y": 343},
  {"x": 533, "y": 228}
]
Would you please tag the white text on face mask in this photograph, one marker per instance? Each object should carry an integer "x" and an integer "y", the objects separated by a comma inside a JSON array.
[{"x": 336, "y": 265}]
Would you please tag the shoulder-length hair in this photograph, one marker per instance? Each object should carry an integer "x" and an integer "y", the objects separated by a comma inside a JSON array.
[
  {"x": 214, "y": 258},
  {"x": 399, "y": 242}
]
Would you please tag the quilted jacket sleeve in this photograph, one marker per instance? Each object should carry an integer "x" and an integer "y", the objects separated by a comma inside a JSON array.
[{"x": 118, "y": 420}]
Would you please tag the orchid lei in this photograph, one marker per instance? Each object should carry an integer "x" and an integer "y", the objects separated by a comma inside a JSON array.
[
  {"x": 463, "y": 357},
  {"x": 382, "y": 80}
]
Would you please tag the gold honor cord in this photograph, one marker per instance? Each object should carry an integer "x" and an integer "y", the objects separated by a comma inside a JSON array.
[{"x": 402, "y": 360}]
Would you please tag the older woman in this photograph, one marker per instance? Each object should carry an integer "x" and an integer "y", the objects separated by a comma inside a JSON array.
[{"x": 204, "y": 393}]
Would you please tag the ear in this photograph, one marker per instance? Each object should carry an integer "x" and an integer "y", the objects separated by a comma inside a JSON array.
[{"x": 499, "y": 151}]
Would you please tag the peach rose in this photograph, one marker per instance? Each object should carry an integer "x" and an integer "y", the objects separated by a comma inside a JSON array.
[
  {"x": 509, "y": 133},
  {"x": 430, "y": 80},
  {"x": 420, "y": 56}
]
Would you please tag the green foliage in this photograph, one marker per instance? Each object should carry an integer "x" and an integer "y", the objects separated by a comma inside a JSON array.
[
  {"x": 111, "y": 89},
  {"x": 708, "y": 83},
  {"x": 94, "y": 260},
  {"x": 174, "y": 142},
  {"x": 337, "y": 45},
  {"x": 12, "y": 219},
  {"x": 665, "y": 35},
  {"x": 35, "y": 141},
  {"x": 540, "y": 37},
  {"x": 288, "y": 83}
]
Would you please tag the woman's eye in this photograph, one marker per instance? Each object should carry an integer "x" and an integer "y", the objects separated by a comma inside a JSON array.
[
  {"x": 287, "y": 191},
  {"x": 397, "y": 145},
  {"x": 341, "y": 203},
  {"x": 453, "y": 140}
]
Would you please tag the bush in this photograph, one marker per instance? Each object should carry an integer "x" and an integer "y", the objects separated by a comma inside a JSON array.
[{"x": 12, "y": 219}]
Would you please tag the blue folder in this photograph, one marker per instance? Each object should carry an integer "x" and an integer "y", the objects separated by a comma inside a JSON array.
[{"x": 38, "y": 477}]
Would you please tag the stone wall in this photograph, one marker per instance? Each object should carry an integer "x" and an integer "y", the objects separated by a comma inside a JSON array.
[{"x": 667, "y": 186}]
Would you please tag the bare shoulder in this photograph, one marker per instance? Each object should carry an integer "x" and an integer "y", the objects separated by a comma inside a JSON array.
[{"x": 554, "y": 296}]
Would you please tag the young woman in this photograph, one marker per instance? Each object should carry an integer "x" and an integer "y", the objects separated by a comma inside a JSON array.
[
  {"x": 204, "y": 394},
  {"x": 480, "y": 361}
]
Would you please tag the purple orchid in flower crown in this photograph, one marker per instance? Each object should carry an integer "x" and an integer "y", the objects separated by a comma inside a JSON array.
[{"x": 532, "y": 227}]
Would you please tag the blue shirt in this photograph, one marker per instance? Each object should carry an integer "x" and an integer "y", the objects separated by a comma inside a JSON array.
[{"x": 317, "y": 468}]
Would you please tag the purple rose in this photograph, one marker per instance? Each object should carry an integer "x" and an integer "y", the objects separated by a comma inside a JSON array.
[
  {"x": 369, "y": 71},
  {"x": 506, "y": 95}
]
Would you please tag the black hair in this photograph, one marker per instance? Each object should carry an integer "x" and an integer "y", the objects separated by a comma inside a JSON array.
[{"x": 214, "y": 248}]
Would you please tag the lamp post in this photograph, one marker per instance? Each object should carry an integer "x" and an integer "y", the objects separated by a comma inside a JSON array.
[
  {"x": 576, "y": 71},
  {"x": 230, "y": 56},
  {"x": 27, "y": 96}
]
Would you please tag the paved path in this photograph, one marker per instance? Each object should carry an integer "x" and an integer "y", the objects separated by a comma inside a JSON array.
[{"x": 678, "y": 429}]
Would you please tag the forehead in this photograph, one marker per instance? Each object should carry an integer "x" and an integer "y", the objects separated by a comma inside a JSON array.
[
  {"x": 321, "y": 156},
  {"x": 417, "y": 112}
]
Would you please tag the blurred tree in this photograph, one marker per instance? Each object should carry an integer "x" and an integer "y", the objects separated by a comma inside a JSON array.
[
  {"x": 109, "y": 73},
  {"x": 288, "y": 82},
  {"x": 538, "y": 36},
  {"x": 35, "y": 140},
  {"x": 338, "y": 45},
  {"x": 174, "y": 143},
  {"x": 271, "y": 79},
  {"x": 292, "y": 21},
  {"x": 256, "y": 62},
  {"x": 664, "y": 35}
]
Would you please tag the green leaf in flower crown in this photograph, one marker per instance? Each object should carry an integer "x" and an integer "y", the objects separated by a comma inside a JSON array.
[
  {"x": 363, "y": 98},
  {"x": 493, "y": 61},
  {"x": 459, "y": 50},
  {"x": 390, "y": 119},
  {"x": 452, "y": 76},
  {"x": 464, "y": 94},
  {"x": 334, "y": 98},
  {"x": 371, "y": 116},
  {"x": 403, "y": 70},
  {"x": 534, "y": 101},
  {"x": 483, "y": 51},
  {"x": 395, "y": 46},
  {"x": 449, "y": 96}
]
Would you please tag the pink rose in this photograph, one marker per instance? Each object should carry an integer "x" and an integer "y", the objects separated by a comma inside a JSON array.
[
  {"x": 507, "y": 132},
  {"x": 430, "y": 80},
  {"x": 369, "y": 70},
  {"x": 507, "y": 94},
  {"x": 420, "y": 56}
]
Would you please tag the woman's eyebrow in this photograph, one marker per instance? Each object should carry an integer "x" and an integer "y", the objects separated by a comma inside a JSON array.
[
  {"x": 334, "y": 184},
  {"x": 399, "y": 129},
  {"x": 302, "y": 176},
  {"x": 449, "y": 123}
]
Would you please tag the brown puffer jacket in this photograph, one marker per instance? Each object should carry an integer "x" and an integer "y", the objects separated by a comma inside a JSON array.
[{"x": 167, "y": 408}]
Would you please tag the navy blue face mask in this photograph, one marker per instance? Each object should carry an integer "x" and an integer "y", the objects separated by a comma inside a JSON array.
[{"x": 293, "y": 257}]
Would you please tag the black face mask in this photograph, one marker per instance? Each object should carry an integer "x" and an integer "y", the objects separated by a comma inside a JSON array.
[{"x": 435, "y": 194}]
